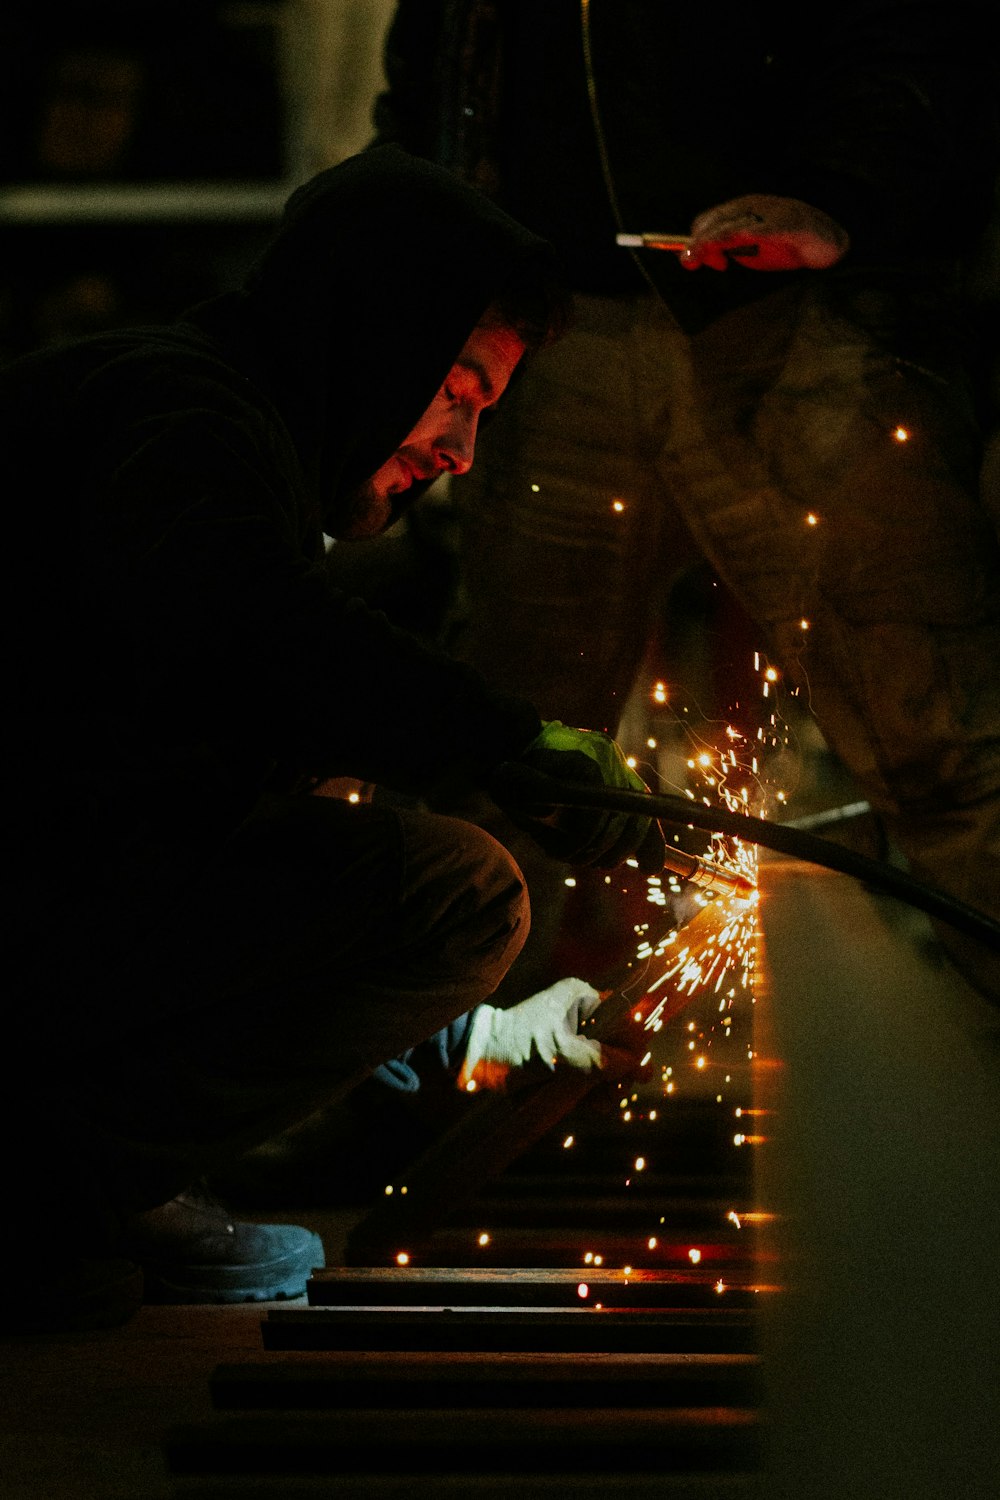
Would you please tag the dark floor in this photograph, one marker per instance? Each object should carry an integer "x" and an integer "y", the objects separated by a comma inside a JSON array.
[{"x": 83, "y": 1416}]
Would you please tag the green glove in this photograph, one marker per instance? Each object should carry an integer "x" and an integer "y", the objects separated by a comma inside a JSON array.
[{"x": 584, "y": 836}]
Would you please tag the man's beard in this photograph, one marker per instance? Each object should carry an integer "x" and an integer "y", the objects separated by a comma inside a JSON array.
[{"x": 360, "y": 513}]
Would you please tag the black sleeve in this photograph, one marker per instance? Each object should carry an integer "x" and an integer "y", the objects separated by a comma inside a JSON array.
[{"x": 223, "y": 621}]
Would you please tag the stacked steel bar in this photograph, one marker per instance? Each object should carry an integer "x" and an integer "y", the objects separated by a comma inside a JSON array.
[{"x": 486, "y": 1370}]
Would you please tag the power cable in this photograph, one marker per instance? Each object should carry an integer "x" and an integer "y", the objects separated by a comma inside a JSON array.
[{"x": 533, "y": 789}]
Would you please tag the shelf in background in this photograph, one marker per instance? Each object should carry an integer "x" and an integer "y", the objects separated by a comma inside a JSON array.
[{"x": 150, "y": 203}]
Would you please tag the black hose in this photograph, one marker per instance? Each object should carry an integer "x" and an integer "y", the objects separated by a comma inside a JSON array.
[{"x": 528, "y": 788}]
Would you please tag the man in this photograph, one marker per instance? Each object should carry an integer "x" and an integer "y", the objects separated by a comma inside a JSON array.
[
  {"x": 790, "y": 397},
  {"x": 204, "y": 953}
]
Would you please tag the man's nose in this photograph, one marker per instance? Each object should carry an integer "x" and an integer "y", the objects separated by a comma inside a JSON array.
[{"x": 457, "y": 447}]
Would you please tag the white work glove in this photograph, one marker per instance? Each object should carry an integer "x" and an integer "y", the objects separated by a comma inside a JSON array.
[
  {"x": 765, "y": 233},
  {"x": 544, "y": 1028}
]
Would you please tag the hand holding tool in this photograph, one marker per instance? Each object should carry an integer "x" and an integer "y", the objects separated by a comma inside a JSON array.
[
  {"x": 581, "y": 835},
  {"x": 543, "y": 1028}
]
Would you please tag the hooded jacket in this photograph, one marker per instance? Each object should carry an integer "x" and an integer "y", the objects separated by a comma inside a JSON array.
[{"x": 176, "y": 640}]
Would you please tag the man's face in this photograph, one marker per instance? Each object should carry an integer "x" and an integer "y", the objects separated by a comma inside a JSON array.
[{"x": 444, "y": 440}]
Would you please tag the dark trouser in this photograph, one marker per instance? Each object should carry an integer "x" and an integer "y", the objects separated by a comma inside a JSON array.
[
  {"x": 327, "y": 939},
  {"x": 836, "y": 399}
]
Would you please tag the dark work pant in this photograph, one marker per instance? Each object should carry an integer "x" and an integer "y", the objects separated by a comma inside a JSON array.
[{"x": 327, "y": 939}]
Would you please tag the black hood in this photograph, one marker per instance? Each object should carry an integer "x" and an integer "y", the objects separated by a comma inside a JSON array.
[{"x": 354, "y": 314}]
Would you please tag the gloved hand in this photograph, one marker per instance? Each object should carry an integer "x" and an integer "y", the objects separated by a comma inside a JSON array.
[
  {"x": 774, "y": 234},
  {"x": 583, "y": 836},
  {"x": 543, "y": 1028}
]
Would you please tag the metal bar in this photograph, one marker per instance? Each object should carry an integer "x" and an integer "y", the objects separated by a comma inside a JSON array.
[
  {"x": 142, "y": 203},
  {"x": 447, "y": 1486},
  {"x": 521, "y": 1288},
  {"x": 446, "y": 1382},
  {"x": 706, "y": 1331},
  {"x": 514, "y": 1442}
]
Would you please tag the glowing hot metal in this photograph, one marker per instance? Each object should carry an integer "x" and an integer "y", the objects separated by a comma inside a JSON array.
[{"x": 652, "y": 240}]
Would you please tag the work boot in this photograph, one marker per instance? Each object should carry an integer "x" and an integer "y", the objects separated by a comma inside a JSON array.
[{"x": 191, "y": 1250}]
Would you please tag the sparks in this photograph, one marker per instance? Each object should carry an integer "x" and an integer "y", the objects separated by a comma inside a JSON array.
[{"x": 711, "y": 963}]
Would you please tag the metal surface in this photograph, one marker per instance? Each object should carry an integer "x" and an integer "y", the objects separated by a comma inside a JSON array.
[{"x": 882, "y": 1165}]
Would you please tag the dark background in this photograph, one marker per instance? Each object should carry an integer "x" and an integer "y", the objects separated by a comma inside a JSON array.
[{"x": 105, "y": 97}]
